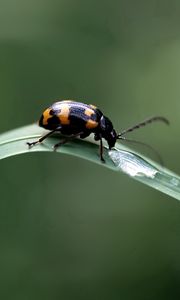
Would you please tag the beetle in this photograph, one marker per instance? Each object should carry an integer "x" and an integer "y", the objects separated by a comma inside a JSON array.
[{"x": 75, "y": 119}]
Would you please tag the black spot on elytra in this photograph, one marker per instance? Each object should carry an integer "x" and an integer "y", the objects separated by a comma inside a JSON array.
[
  {"x": 53, "y": 123},
  {"x": 93, "y": 117},
  {"x": 54, "y": 112}
]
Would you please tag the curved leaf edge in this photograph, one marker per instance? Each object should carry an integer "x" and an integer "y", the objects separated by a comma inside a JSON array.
[{"x": 120, "y": 158}]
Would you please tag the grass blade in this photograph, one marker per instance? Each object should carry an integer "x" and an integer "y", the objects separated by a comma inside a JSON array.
[{"x": 120, "y": 159}]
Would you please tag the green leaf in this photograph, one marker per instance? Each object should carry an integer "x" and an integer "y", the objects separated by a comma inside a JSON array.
[{"x": 120, "y": 159}]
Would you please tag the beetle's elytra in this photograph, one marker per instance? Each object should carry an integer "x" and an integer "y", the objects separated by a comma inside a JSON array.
[{"x": 74, "y": 119}]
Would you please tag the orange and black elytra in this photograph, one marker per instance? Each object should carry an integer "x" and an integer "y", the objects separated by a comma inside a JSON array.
[{"x": 74, "y": 119}]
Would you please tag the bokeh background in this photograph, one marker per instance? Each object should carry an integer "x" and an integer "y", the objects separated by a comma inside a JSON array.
[{"x": 70, "y": 229}]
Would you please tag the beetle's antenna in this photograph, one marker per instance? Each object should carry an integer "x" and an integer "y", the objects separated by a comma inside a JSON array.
[
  {"x": 124, "y": 139},
  {"x": 143, "y": 123}
]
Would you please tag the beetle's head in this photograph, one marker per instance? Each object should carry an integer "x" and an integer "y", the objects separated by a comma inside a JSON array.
[{"x": 108, "y": 132}]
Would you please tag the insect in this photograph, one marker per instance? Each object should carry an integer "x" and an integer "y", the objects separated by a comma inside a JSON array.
[{"x": 74, "y": 119}]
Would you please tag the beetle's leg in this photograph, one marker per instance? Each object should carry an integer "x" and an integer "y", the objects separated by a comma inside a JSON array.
[
  {"x": 42, "y": 138},
  {"x": 66, "y": 140},
  {"x": 97, "y": 137},
  {"x": 101, "y": 150},
  {"x": 62, "y": 142}
]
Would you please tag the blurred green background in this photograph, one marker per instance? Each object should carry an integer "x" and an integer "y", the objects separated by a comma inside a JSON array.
[{"x": 70, "y": 229}]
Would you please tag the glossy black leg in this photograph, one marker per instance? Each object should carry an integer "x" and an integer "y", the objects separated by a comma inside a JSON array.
[
  {"x": 40, "y": 139},
  {"x": 101, "y": 151},
  {"x": 66, "y": 140}
]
